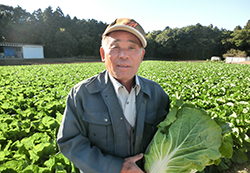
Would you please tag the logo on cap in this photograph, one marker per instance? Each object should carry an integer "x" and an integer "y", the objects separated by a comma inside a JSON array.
[{"x": 131, "y": 23}]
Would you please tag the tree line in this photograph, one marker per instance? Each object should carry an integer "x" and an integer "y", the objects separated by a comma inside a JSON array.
[{"x": 63, "y": 36}]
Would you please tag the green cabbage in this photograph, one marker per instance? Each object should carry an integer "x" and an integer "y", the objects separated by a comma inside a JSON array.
[{"x": 188, "y": 140}]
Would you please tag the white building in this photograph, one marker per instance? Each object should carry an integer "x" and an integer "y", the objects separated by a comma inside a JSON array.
[
  {"x": 236, "y": 59},
  {"x": 215, "y": 58},
  {"x": 20, "y": 50}
]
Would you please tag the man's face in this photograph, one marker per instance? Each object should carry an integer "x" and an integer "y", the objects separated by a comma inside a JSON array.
[{"x": 122, "y": 53}]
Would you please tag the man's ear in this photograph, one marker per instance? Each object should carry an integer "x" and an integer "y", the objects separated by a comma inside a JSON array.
[
  {"x": 142, "y": 54},
  {"x": 102, "y": 54}
]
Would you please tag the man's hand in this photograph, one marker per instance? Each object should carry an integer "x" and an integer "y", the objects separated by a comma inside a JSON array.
[{"x": 129, "y": 165}]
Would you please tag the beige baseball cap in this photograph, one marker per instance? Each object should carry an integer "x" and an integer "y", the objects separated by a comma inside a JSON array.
[{"x": 129, "y": 25}]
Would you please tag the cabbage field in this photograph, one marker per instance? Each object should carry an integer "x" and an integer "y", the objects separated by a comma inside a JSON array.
[{"x": 32, "y": 101}]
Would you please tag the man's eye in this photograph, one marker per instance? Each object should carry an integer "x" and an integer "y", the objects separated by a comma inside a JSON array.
[{"x": 115, "y": 47}]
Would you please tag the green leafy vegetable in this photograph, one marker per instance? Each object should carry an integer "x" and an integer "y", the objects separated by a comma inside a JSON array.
[{"x": 186, "y": 141}]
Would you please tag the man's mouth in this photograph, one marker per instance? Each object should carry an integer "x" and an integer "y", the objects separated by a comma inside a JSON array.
[{"x": 123, "y": 66}]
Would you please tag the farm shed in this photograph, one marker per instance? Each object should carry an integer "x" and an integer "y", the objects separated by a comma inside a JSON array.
[
  {"x": 20, "y": 50},
  {"x": 215, "y": 58},
  {"x": 236, "y": 59}
]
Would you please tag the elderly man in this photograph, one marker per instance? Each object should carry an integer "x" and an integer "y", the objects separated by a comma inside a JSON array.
[{"x": 110, "y": 119}]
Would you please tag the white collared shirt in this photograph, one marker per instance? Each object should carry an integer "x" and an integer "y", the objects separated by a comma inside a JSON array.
[{"x": 127, "y": 100}]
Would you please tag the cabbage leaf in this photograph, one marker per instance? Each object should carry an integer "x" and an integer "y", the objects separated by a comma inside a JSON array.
[{"x": 188, "y": 140}]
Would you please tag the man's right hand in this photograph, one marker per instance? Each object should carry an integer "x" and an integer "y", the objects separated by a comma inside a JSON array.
[{"x": 129, "y": 165}]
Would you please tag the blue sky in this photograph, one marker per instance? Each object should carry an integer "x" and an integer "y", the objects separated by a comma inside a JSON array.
[{"x": 151, "y": 14}]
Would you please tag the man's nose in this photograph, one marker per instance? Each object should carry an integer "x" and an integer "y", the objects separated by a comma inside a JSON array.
[{"x": 124, "y": 53}]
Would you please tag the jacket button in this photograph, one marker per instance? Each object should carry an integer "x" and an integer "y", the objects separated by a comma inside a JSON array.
[
  {"x": 105, "y": 120},
  {"x": 144, "y": 101}
]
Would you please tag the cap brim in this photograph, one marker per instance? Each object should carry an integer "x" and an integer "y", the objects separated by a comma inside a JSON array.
[{"x": 128, "y": 29}]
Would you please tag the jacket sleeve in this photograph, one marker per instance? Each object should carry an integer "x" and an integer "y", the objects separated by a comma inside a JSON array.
[{"x": 74, "y": 144}]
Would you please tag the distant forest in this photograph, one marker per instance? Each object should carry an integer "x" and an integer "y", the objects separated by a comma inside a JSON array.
[{"x": 63, "y": 36}]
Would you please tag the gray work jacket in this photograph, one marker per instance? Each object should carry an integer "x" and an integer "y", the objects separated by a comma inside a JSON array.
[{"x": 93, "y": 132}]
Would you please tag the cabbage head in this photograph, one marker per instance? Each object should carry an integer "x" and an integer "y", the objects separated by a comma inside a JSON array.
[{"x": 187, "y": 141}]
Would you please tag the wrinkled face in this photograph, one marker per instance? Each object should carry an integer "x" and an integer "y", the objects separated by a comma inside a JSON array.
[{"x": 122, "y": 53}]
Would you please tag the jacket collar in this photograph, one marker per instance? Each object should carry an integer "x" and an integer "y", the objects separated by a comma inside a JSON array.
[
  {"x": 101, "y": 81},
  {"x": 118, "y": 85}
]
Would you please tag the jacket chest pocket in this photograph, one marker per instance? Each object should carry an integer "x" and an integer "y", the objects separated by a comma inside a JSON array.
[
  {"x": 99, "y": 130},
  {"x": 152, "y": 119}
]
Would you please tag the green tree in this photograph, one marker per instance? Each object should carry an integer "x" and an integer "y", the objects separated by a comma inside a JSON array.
[
  {"x": 48, "y": 34},
  {"x": 226, "y": 40},
  {"x": 166, "y": 42},
  {"x": 6, "y": 17},
  {"x": 241, "y": 38},
  {"x": 66, "y": 45},
  {"x": 152, "y": 45},
  {"x": 192, "y": 42},
  {"x": 14, "y": 24},
  {"x": 37, "y": 26}
]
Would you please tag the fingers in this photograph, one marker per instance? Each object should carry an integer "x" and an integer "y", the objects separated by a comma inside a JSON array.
[
  {"x": 135, "y": 158},
  {"x": 129, "y": 165}
]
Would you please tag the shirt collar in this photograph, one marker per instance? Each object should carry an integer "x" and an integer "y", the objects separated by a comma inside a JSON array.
[{"x": 117, "y": 84}]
